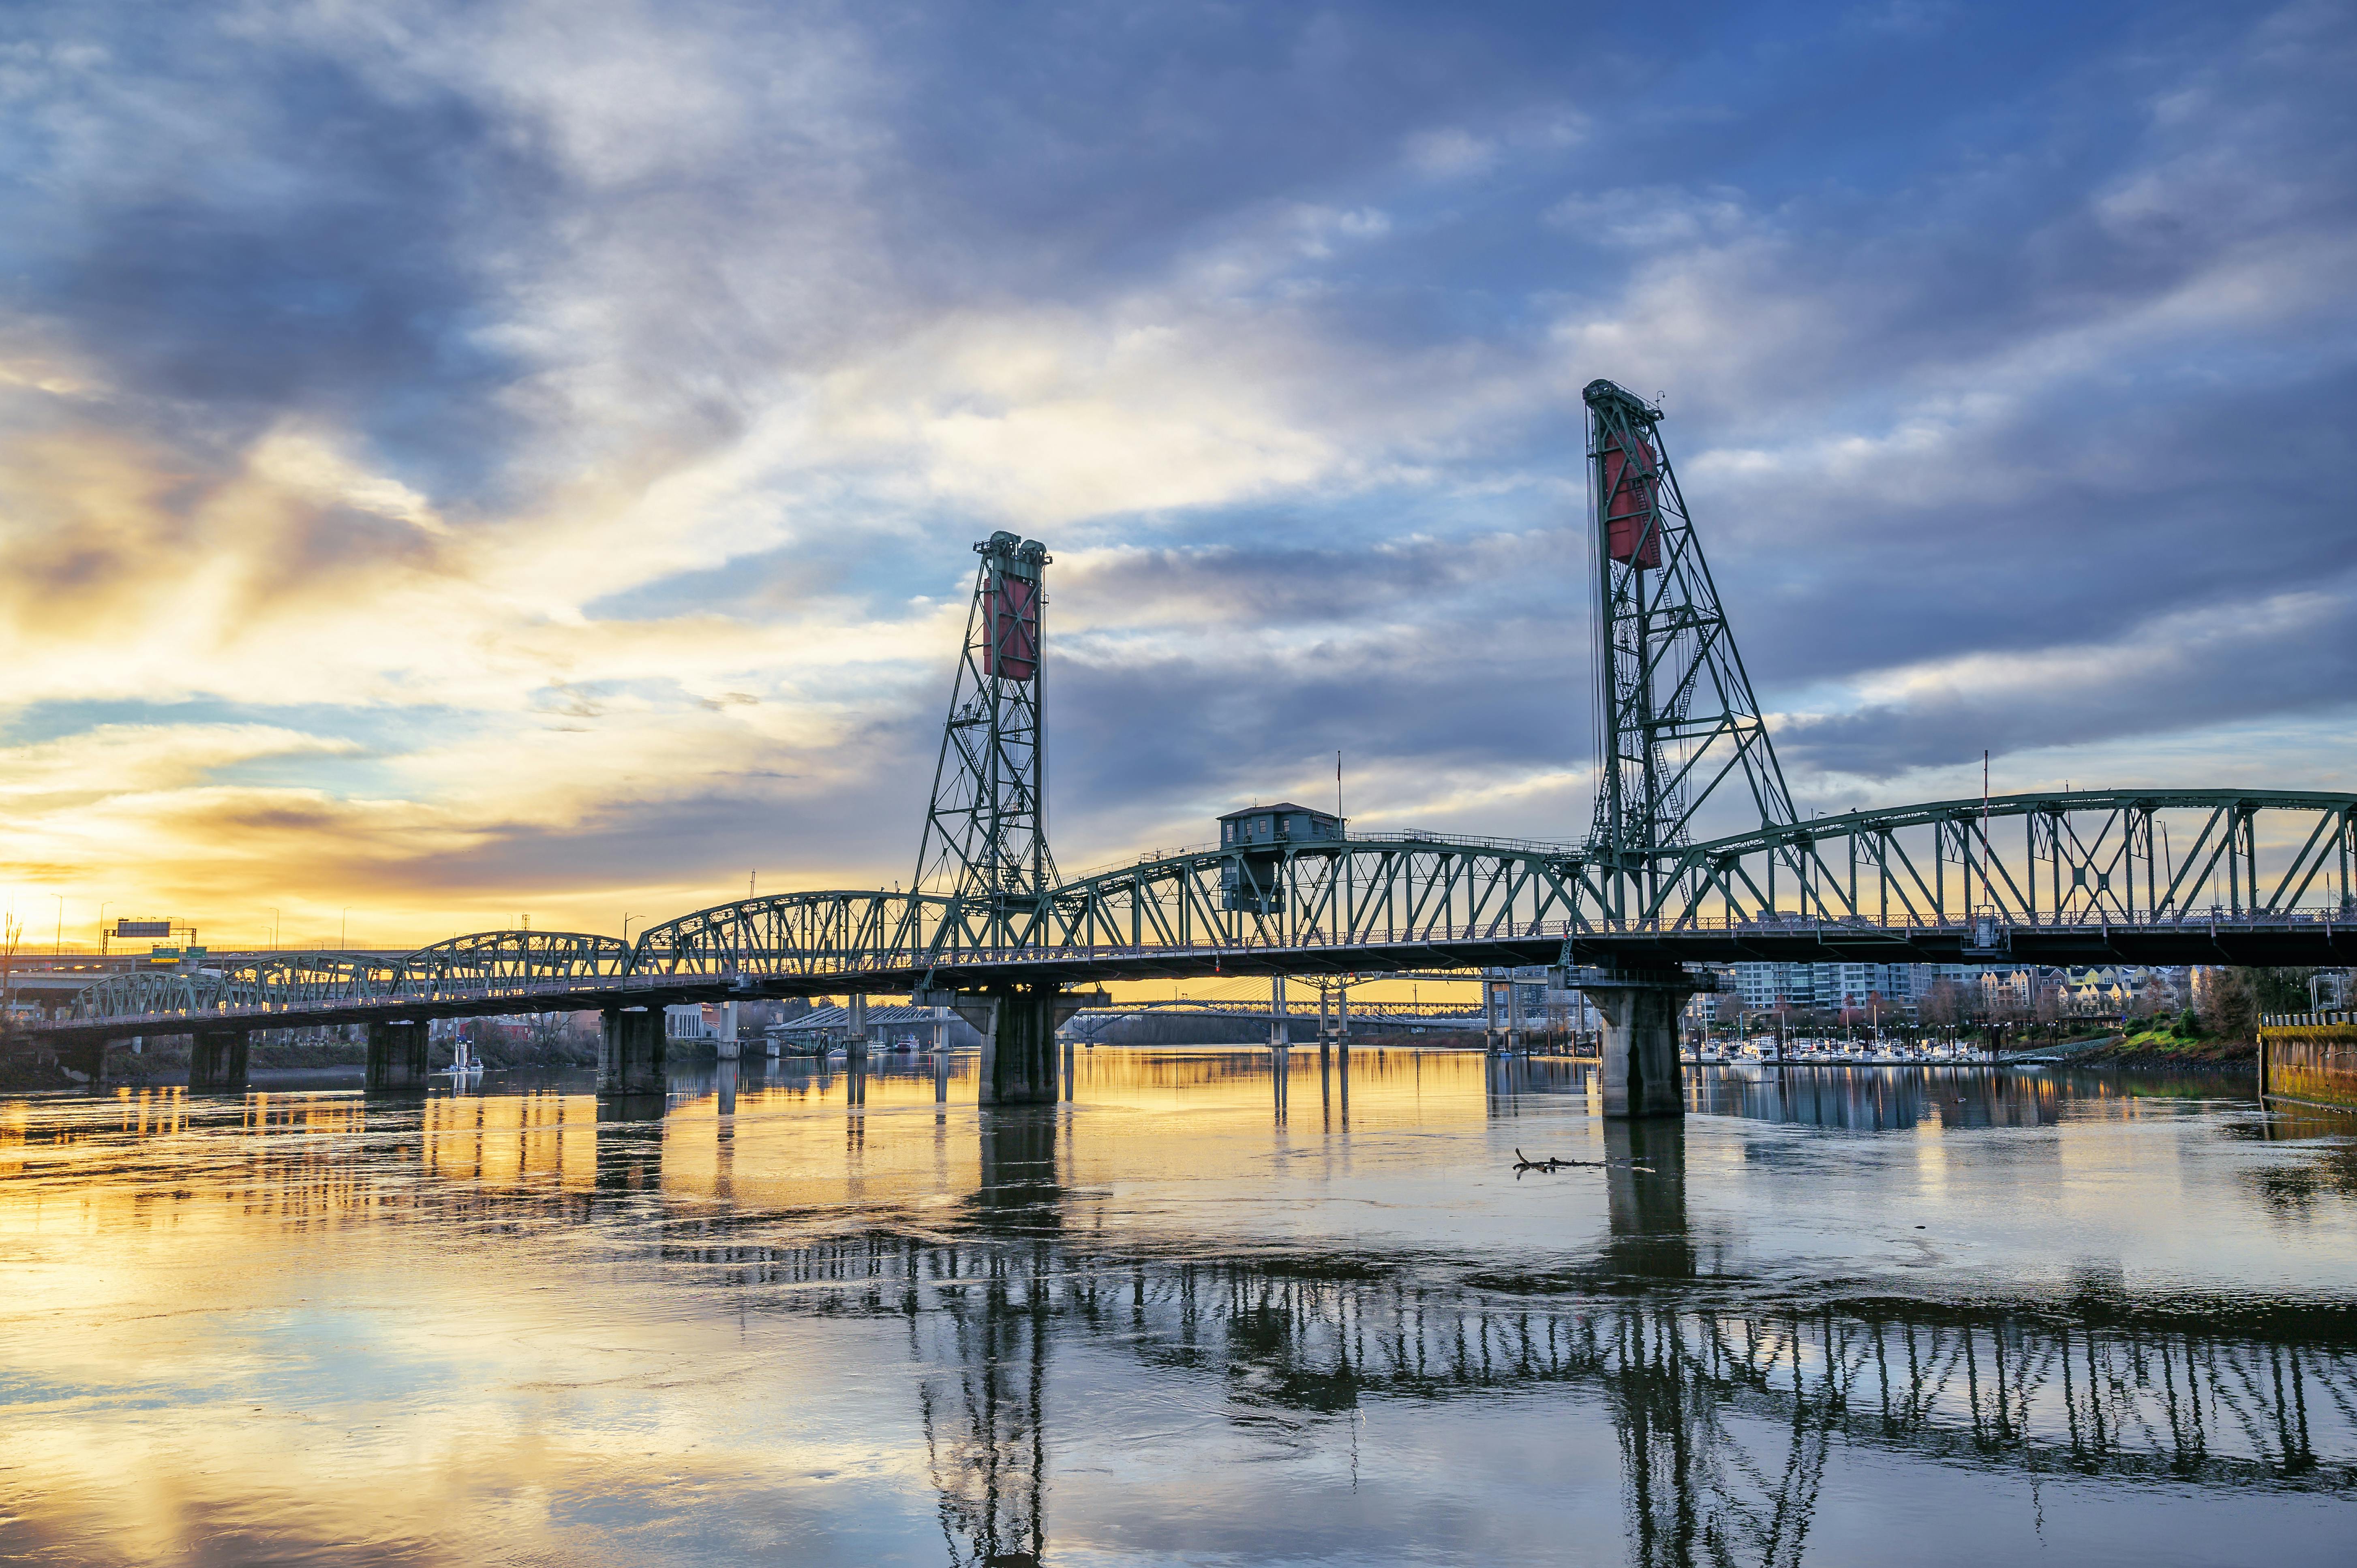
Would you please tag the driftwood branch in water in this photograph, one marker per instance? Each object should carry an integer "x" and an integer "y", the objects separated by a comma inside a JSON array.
[{"x": 1522, "y": 1163}]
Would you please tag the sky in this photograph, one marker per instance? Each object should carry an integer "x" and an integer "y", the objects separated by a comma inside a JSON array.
[{"x": 464, "y": 462}]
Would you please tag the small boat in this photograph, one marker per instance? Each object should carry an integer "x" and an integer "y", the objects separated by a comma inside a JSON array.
[{"x": 465, "y": 1066}]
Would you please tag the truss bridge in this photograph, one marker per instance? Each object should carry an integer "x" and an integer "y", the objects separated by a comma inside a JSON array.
[{"x": 991, "y": 927}]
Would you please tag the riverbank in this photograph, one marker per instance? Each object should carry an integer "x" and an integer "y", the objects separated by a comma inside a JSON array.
[
  {"x": 312, "y": 1063},
  {"x": 2170, "y": 1051}
]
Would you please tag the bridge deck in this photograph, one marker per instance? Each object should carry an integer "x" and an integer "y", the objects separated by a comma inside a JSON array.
[{"x": 2310, "y": 940}]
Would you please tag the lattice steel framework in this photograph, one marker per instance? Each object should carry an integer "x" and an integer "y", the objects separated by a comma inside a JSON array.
[
  {"x": 2155, "y": 877},
  {"x": 467, "y": 967},
  {"x": 1676, "y": 713},
  {"x": 986, "y": 836},
  {"x": 2140, "y": 867}
]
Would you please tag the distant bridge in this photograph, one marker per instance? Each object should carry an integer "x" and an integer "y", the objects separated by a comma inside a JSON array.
[{"x": 2053, "y": 878}]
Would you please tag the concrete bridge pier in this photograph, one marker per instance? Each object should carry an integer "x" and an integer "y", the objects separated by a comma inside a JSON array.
[
  {"x": 731, "y": 1049},
  {"x": 1334, "y": 1016},
  {"x": 630, "y": 1051},
  {"x": 1018, "y": 1024},
  {"x": 396, "y": 1056},
  {"x": 855, "y": 1044},
  {"x": 217, "y": 1060},
  {"x": 88, "y": 1059},
  {"x": 1639, "y": 1009}
]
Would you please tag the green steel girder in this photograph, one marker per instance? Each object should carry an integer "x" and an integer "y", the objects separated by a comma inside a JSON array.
[
  {"x": 2089, "y": 859},
  {"x": 487, "y": 957},
  {"x": 272, "y": 982},
  {"x": 798, "y": 933},
  {"x": 2097, "y": 839}
]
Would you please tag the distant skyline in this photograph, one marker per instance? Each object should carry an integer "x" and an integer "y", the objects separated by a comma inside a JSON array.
[{"x": 464, "y": 461}]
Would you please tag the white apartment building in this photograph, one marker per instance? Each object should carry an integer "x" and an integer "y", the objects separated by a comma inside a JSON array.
[{"x": 1829, "y": 987}]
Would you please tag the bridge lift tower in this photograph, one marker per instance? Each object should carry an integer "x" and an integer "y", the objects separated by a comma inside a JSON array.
[
  {"x": 1675, "y": 716},
  {"x": 986, "y": 839}
]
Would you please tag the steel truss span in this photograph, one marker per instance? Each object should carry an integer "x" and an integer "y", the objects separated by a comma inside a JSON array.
[
  {"x": 2153, "y": 877},
  {"x": 2150, "y": 869},
  {"x": 471, "y": 967},
  {"x": 2126, "y": 857}
]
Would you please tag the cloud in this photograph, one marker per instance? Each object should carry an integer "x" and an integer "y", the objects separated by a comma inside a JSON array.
[
  {"x": 1448, "y": 153},
  {"x": 2170, "y": 673},
  {"x": 1654, "y": 217},
  {"x": 543, "y": 440}
]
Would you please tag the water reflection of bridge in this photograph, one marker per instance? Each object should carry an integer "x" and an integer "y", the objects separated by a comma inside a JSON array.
[
  {"x": 1860, "y": 1098},
  {"x": 1729, "y": 1402},
  {"x": 1726, "y": 1412}
]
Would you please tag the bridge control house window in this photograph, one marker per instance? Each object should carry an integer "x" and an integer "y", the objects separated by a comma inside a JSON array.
[{"x": 1278, "y": 825}]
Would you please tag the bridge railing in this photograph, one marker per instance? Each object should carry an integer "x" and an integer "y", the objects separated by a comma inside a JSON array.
[
  {"x": 1405, "y": 838},
  {"x": 846, "y": 964},
  {"x": 852, "y": 945}
]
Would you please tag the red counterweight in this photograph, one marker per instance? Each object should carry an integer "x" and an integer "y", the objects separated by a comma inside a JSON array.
[
  {"x": 1014, "y": 626},
  {"x": 1630, "y": 473}
]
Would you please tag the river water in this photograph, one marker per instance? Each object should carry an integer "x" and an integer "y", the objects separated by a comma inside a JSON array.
[{"x": 1197, "y": 1313}]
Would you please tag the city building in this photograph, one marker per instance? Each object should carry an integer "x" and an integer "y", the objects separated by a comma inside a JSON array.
[{"x": 1829, "y": 987}]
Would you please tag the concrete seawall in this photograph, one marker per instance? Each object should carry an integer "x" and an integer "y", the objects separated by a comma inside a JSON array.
[{"x": 2313, "y": 1063}]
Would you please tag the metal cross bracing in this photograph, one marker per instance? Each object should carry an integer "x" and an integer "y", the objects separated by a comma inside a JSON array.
[
  {"x": 2181, "y": 877},
  {"x": 984, "y": 841},
  {"x": 484, "y": 966},
  {"x": 2130, "y": 857},
  {"x": 2163, "y": 877},
  {"x": 1676, "y": 713}
]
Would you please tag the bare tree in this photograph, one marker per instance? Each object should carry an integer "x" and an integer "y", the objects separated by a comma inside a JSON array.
[
  {"x": 2227, "y": 1004},
  {"x": 1944, "y": 1002},
  {"x": 2047, "y": 1004}
]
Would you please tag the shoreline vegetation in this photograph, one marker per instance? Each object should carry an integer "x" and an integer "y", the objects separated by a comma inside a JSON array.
[{"x": 2162, "y": 1048}]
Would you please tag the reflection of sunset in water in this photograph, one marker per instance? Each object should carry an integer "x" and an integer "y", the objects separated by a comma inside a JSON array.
[{"x": 801, "y": 1315}]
